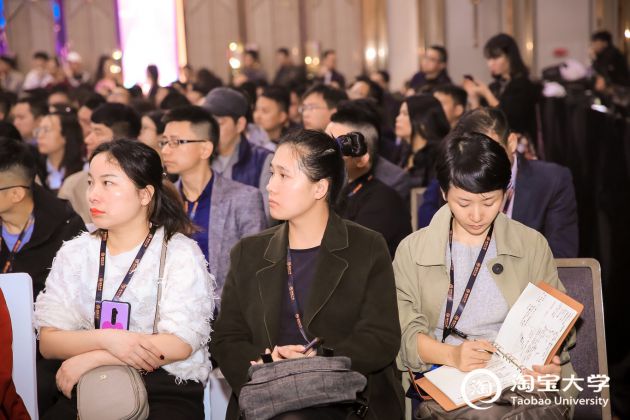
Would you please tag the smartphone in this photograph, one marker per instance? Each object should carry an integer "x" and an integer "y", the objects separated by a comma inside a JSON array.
[
  {"x": 317, "y": 341},
  {"x": 115, "y": 315}
]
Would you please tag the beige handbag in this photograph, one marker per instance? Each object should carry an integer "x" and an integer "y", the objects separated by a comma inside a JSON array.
[{"x": 117, "y": 392}]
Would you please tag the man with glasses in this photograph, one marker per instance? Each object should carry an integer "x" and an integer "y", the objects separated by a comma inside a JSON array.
[
  {"x": 318, "y": 104},
  {"x": 432, "y": 70},
  {"x": 110, "y": 121},
  {"x": 224, "y": 210}
]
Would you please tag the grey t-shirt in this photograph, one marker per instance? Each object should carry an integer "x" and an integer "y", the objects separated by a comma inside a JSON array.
[{"x": 486, "y": 308}]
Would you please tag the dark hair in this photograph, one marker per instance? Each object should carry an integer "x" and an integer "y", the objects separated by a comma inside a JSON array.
[
  {"x": 157, "y": 118},
  {"x": 7, "y": 100},
  {"x": 384, "y": 74},
  {"x": 375, "y": 90},
  {"x": 206, "y": 81},
  {"x": 604, "y": 36},
  {"x": 320, "y": 157},
  {"x": 278, "y": 94},
  {"x": 93, "y": 101},
  {"x": 142, "y": 105},
  {"x": 100, "y": 72},
  {"x": 8, "y": 130},
  {"x": 143, "y": 166},
  {"x": 485, "y": 121},
  {"x": 9, "y": 60},
  {"x": 363, "y": 116},
  {"x": 459, "y": 95},
  {"x": 503, "y": 44},
  {"x": 135, "y": 91},
  {"x": 441, "y": 51},
  {"x": 473, "y": 162},
  {"x": 16, "y": 156},
  {"x": 174, "y": 99},
  {"x": 41, "y": 55},
  {"x": 153, "y": 73},
  {"x": 196, "y": 116},
  {"x": 326, "y": 53},
  {"x": 37, "y": 106},
  {"x": 253, "y": 54},
  {"x": 427, "y": 118},
  {"x": 332, "y": 96},
  {"x": 121, "y": 119},
  {"x": 283, "y": 50},
  {"x": 72, "y": 133},
  {"x": 60, "y": 89}
]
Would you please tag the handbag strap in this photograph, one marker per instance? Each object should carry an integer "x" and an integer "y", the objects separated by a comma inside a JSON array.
[{"x": 159, "y": 284}]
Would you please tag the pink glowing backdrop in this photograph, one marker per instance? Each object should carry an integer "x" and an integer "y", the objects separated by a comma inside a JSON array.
[{"x": 148, "y": 35}]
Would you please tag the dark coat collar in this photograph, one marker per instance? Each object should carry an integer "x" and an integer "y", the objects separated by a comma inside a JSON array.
[
  {"x": 49, "y": 212},
  {"x": 335, "y": 238},
  {"x": 330, "y": 267}
]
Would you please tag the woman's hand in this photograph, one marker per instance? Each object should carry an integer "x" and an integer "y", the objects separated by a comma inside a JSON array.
[
  {"x": 71, "y": 371},
  {"x": 471, "y": 355},
  {"x": 541, "y": 373},
  {"x": 134, "y": 349},
  {"x": 286, "y": 352}
]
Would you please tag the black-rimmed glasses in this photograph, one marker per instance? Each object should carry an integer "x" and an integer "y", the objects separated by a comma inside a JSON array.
[
  {"x": 174, "y": 142},
  {"x": 15, "y": 186}
]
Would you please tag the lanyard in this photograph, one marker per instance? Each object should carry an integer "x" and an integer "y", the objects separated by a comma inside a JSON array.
[
  {"x": 508, "y": 199},
  {"x": 194, "y": 208},
  {"x": 449, "y": 326},
  {"x": 360, "y": 185},
  {"x": 16, "y": 246},
  {"x": 192, "y": 214},
  {"x": 123, "y": 285},
  {"x": 294, "y": 305}
]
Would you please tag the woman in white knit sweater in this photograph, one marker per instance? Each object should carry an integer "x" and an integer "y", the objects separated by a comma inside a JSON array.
[{"x": 134, "y": 212}]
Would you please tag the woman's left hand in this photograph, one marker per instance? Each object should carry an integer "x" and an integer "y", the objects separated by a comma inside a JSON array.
[
  {"x": 71, "y": 371},
  {"x": 540, "y": 371}
]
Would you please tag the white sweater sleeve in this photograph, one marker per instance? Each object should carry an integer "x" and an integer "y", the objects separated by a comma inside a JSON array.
[
  {"x": 187, "y": 302},
  {"x": 57, "y": 306}
]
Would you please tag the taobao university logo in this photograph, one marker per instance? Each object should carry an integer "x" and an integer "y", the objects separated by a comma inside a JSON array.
[{"x": 481, "y": 382}]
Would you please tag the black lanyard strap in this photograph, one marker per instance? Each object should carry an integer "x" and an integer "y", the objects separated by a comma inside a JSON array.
[
  {"x": 449, "y": 325},
  {"x": 123, "y": 285},
  {"x": 292, "y": 298},
  {"x": 360, "y": 185},
  {"x": 16, "y": 246}
]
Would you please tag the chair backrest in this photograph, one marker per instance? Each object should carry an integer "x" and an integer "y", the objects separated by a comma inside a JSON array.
[
  {"x": 417, "y": 195},
  {"x": 582, "y": 279},
  {"x": 18, "y": 292}
]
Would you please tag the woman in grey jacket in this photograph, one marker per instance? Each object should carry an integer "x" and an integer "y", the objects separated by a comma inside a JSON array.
[{"x": 435, "y": 268}]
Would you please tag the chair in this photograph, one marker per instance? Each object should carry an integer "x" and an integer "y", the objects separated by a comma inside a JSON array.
[
  {"x": 417, "y": 195},
  {"x": 18, "y": 292},
  {"x": 216, "y": 396},
  {"x": 582, "y": 279}
]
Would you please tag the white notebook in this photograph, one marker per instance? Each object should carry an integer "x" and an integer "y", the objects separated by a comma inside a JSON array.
[{"x": 531, "y": 334}]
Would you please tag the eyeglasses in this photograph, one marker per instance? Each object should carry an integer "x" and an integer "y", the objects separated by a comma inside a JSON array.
[
  {"x": 311, "y": 107},
  {"x": 41, "y": 130},
  {"x": 15, "y": 186},
  {"x": 174, "y": 142}
]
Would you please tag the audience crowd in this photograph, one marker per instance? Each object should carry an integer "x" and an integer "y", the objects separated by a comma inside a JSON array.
[{"x": 313, "y": 167}]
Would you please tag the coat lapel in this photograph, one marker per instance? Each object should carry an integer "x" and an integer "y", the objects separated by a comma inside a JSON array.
[
  {"x": 272, "y": 280},
  {"x": 218, "y": 217},
  {"x": 329, "y": 269},
  {"x": 524, "y": 192}
]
